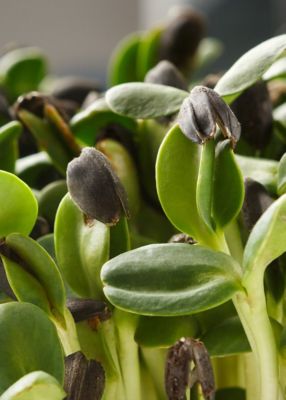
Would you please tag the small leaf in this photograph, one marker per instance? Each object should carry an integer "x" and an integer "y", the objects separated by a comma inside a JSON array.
[
  {"x": 176, "y": 177},
  {"x": 250, "y": 67},
  {"x": 49, "y": 199},
  {"x": 33, "y": 264},
  {"x": 9, "y": 135},
  {"x": 35, "y": 385},
  {"x": 148, "y": 51},
  {"x": 81, "y": 249},
  {"x": 261, "y": 170},
  {"x": 228, "y": 186},
  {"x": 22, "y": 70},
  {"x": 226, "y": 337},
  {"x": 267, "y": 240},
  {"x": 170, "y": 279},
  {"x": 205, "y": 187},
  {"x": 19, "y": 207},
  {"x": 123, "y": 59},
  {"x": 145, "y": 100},
  {"x": 27, "y": 349}
]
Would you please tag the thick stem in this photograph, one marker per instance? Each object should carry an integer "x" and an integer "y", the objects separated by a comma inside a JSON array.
[
  {"x": 128, "y": 351},
  {"x": 251, "y": 308}
]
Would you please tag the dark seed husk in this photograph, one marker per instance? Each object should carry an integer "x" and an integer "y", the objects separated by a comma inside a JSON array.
[
  {"x": 84, "y": 309},
  {"x": 84, "y": 379},
  {"x": 95, "y": 188},
  {"x": 256, "y": 201},
  {"x": 165, "y": 73},
  {"x": 181, "y": 38},
  {"x": 253, "y": 109}
]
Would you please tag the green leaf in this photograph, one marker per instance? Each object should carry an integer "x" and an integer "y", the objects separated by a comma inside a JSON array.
[
  {"x": 228, "y": 186},
  {"x": 49, "y": 199},
  {"x": 81, "y": 249},
  {"x": 48, "y": 139},
  {"x": 34, "y": 386},
  {"x": 21, "y": 70},
  {"x": 226, "y": 337},
  {"x": 204, "y": 196},
  {"x": 149, "y": 137},
  {"x": 250, "y": 67},
  {"x": 148, "y": 52},
  {"x": 170, "y": 279},
  {"x": 88, "y": 124},
  {"x": 9, "y": 135},
  {"x": 35, "y": 278},
  {"x": 119, "y": 238},
  {"x": 19, "y": 206},
  {"x": 176, "y": 177},
  {"x": 261, "y": 170},
  {"x": 36, "y": 170},
  {"x": 28, "y": 342},
  {"x": 124, "y": 58},
  {"x": 267, "y": 240},
  {"x": 277, "y": 70},
  {"x": 164, "y": 331},
  {"x": 145, "y": 100},
  {"x": 281, "y": 184}
]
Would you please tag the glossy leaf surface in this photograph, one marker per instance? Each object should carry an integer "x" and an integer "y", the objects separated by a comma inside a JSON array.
[
  {"x": 123, "y": 60},
  {"x": 35, "y": 278},
  {"x": 34, "y": 386},
  {"x": 267, "y": 240},
  {"x": 34, "y": 347},
  {"x": 9, "y": 134},
  {"x": 21, "y": 70},
  {"x": 81, "y": 249},
  {"x": 145, "y": 100},
  {"x": 176, "y": 177},
  {"x": 250, "y": 67},
  {"x": 19, "y": 207},
  {"x": 170, "y": 279},
  {"x": 228, "y": 186}
]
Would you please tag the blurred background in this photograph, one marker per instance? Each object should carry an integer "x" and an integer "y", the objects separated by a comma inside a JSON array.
[{"x": 79, "y": 36}]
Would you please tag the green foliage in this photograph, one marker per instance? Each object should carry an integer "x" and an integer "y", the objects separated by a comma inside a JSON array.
[
  {"x": 251, "y": 66},
  {"x": 19, "y": 206},
  {"x": 192, "y": 279},
  {"x": 34, "y": 346},
  {"x": 81, "y": 249},
  {"x": 145, "y": 100}
]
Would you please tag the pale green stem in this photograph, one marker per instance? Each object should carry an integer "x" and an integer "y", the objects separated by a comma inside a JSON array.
[
  {"x": 251, "y": 308},
  {"x": 128, "y": 351},
  {"x": 67, "y": 333}
]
